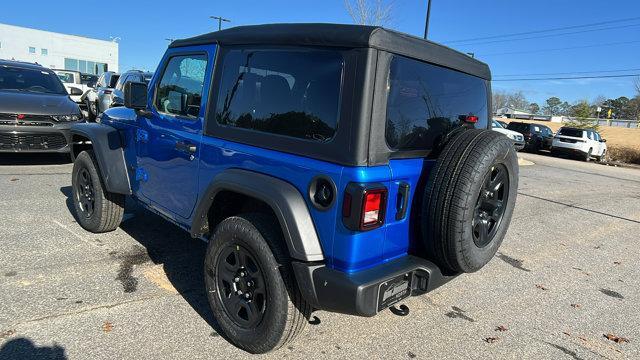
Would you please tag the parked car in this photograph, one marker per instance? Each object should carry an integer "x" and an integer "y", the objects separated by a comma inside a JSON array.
[
  {"x": 75, "y": 79},
  {"x": 36, "y": 112},
  {"x": 300, "y": 158},
  {"x": 99, "y": 98},
  {"x": 89, "y": 79},
  {"x": 117, "y": 96},
  {"x": 516, "y": 137},
  {"x": 537, "y": 137},
  {"x": 584, "y": 143}
]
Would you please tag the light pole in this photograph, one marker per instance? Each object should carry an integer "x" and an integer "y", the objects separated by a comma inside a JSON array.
[
  {"x": 426, "y": 23},
  {"x": 220, "y": 20}
]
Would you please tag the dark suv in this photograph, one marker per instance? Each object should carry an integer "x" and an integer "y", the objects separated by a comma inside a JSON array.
[
  {"x": 36, "y": 111},
  {"x": 536, "y": 137},
  {"x": 332, "y": 167}
]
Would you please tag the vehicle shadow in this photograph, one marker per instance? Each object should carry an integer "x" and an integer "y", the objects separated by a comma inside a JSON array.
[
  {"x": 23, "y": 348},
  {"x": 181, "y": 256},
  {"x": 34, "y": 159}
]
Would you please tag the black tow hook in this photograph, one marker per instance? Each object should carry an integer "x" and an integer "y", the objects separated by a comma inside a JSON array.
[{"x": 402, "y": 310}]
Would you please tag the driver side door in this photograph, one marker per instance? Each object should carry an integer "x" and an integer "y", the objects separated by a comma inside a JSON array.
[{"x": 170, "y": 135}]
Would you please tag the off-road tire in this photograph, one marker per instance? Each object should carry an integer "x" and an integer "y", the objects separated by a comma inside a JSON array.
[
  {"x": 285, "y": 312},
  {"x": 452, "y": 193},
  {"x": 108, "y": 208}
]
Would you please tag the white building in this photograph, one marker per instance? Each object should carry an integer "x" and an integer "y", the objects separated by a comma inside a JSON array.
[{"x": 58, "y": 51}]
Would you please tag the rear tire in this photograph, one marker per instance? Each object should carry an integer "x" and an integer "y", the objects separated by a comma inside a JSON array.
[
  {"x": 469, "y": 200},
  {"x": 587, "y": 157},
  {"x": 97, "y": 210},
  {"x": 247, "y": 254}
]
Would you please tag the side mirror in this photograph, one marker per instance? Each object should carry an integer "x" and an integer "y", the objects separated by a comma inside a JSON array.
[
  {"x": 135, "y": 95},
  {"x": 604, "y": 140},
  {"x": 75, "y": 91}
]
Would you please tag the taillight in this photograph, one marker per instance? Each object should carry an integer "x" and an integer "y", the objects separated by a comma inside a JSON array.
[
  {"x": 468, "y": 118},
  {"x": 363, "y": 206},
  {"x": 372, "y": 208}
]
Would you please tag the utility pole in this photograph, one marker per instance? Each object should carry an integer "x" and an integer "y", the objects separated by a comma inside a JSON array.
[
  {"x": 426, "y": 24},
  {"x": 220, "y": 20}
]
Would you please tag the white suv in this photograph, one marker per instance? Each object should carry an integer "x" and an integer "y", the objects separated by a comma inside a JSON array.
[
  {"x": 586, "y": 144},
  {"x": 516, "y": 137}
]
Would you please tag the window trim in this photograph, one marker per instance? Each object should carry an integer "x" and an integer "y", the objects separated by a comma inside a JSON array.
[
  {"x": 204, "y": 81},
  {"x": 218, "y": 82},
  {"x": 356, "y": 93}
]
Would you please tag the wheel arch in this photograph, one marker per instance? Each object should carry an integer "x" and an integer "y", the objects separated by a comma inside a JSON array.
[
  {"x": 107, "y": 147},
  {"x": 282, "y": 198}
]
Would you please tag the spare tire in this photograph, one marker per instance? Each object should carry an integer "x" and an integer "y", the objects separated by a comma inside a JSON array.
[{"x": 469, "y": 199}]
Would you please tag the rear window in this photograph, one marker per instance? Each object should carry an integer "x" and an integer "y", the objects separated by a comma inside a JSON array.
[
  {"x": 570, "y": 132},
  {"x": 519, "y": 127},
  {"x": 427, "y": 101},
  {"x": 291, "y": 92}
]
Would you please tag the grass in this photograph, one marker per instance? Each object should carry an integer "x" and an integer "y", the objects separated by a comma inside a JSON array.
[{"x": 624, "y": 154}]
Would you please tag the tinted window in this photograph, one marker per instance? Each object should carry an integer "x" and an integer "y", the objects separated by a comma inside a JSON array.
[
  {"x": 519, "y": 127},
  {"x": 570, "y": 132},
  {"x": 89, "y": 80},
  {"x": 30, "y": 80},
  {"x": 180, "y": 89},
  {"x": 66, "y": 77},
  {"x": 426, "y": 101},
  {"x": 288, "y": 92}
]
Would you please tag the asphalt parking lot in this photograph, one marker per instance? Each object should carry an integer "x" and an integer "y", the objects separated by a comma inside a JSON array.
[{"x": 566, "y": 275}]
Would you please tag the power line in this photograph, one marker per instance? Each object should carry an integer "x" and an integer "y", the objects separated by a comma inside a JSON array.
[
  {"x": 572, "y": 78},
  {"x": 551, "y": 35},
  {"x": 560, "y": 49},
  {"x": 545, "y": 30},
  {"x": 572, "y": 72}
]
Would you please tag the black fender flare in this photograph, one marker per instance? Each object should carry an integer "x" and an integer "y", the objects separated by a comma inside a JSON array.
[
  {"x": 285, "y": 200},
  {"x": 108, "y": 150}
]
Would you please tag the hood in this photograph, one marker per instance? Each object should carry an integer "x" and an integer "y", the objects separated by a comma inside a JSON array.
[
  {"x": 14, "y": 102},
  {"x": 507, "y": 132}
]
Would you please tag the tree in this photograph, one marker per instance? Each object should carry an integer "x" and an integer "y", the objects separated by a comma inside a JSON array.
[
  {"x": 517, "y": 100},
  {"x": 534, "y": 108},
  {"x": 580, "y": 113},
  {"x": 498, "y": 100},
  {"x": 370, "y": 12},
  {"x": 565, "y": 109},
  {"x": 552, "y": 106}
]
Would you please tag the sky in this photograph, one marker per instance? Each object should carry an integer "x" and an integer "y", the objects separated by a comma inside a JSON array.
[{"x": 613, "y": 45}]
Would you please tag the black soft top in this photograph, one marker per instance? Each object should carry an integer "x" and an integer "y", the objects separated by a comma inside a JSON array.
[{"x": 341, "y": 35}]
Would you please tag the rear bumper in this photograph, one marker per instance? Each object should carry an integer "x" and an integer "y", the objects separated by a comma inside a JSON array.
[
  {"x": 360, "y": 293},
  {"x": 35, "y": 139}
]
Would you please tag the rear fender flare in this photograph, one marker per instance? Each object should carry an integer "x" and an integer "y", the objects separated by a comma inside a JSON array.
[{"x": 283, "y": 198}]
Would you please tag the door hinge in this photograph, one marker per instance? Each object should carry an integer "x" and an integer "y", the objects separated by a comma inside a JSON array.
[
  {"x": 141, "y": 175},
  {"x": 142, "y": 136}
]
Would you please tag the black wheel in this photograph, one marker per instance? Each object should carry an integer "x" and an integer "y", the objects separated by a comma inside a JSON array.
[
  {"x": 250, "y": 284},
  {"x": 603, "y": 157},
  {"x": 587, "y": 156},
  {"x": 91, "y": 110},
  {"x": 469, "y": 199},
  {"x": 97, "y": 210}
]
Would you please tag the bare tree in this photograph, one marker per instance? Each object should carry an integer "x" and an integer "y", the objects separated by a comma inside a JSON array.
[
  {"x": 370, "y": 12},
  {"x": 637, "y": 85}
]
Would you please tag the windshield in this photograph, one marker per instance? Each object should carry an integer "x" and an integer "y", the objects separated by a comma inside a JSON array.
[
  {"x": 89, "y": 80},
  {"x": 66, "y": 77},
  {"x": 570, "y": 132},
  {"x": 496, "y": 124},
  {"x": 31, "y": 80},
  {"x": 519, "y": 127}
]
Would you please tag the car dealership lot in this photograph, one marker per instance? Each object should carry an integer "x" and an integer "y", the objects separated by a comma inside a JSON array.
[{"x": 565, "y": 276}]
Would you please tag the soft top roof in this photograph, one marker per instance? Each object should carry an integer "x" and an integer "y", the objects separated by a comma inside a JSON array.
[{"x": 341, "y": 35}]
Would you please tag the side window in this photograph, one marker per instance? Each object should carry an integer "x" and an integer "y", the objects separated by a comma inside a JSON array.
[
  {"x": 292, "y": 92},
  {"x": 590, "y": 135},
  {"x": 121, "y": 81},
  {"x": 598, "y": 138},
  {"x": 180, "y": 88}
]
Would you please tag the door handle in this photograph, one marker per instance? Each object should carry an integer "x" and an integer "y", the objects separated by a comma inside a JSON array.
[
  {"x": 402, "y": 201},
  {"x": 186, "y": 147}
]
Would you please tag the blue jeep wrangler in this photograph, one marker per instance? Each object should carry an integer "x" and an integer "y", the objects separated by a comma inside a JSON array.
[{"x": 333, "y": 167}]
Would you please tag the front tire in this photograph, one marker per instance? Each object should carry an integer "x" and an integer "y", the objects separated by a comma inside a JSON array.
[
  {"x": 91, "y": 110},
  {"x": 97, "y": 210},
  {"x": 250, "y": 284}
]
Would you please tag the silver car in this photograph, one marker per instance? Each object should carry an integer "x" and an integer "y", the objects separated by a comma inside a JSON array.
[{"x": 99, "y": 98}]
